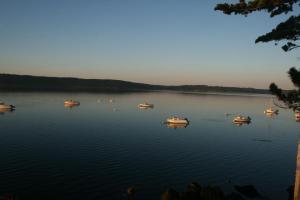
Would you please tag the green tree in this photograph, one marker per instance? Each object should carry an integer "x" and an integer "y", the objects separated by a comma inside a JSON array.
[{"x": 287, "y": 32}]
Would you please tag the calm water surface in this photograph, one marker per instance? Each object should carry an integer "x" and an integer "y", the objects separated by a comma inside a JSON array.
[{"x": 99, "y": 149}]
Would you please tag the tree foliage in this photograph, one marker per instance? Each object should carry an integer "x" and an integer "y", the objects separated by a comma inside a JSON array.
[
  {"x": 274, "y": 7},
  {"x": 287, "y": 31}
]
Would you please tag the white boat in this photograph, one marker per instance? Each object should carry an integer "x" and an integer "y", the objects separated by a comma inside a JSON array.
[
  {"x": 4, "y": 106},
  {"x": 241, "y": 119},
  {"x": 177, "y": 120},
  {"x": 271, "y": 111},
  {"x": 71, "y": 103},
  {"x": 145, "y": 105}
]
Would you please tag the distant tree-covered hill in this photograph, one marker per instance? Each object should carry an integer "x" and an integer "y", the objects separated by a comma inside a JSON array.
[{"x": 11, "y": 82}]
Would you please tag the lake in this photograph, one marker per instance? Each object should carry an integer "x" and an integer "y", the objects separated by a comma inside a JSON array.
[{"x": 100, "y": 148}]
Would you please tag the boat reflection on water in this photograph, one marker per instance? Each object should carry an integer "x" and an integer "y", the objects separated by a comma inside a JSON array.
[
  {"x": 241, "y": 123},
  {"x": 6, "y": 110},
  {"x": 146, "y": 108},
  {"x": 271, "y": 115},
  {"x": 71, "y": 105},
  {"x": 175, "y": 126}
]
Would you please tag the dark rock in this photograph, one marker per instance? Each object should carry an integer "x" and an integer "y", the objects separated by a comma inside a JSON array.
[
  {"x": 193, "y": 187},
  {"x": 170, "y": 194},
  {"x": 193, "y": 192},
  {"x": 248, "y": 191},
  {"x": 234, "y": 196},
  {"x": 212, "y": 193}
]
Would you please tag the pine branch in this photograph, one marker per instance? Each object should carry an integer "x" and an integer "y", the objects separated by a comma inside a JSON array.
[{"x": 274, "y": 7}]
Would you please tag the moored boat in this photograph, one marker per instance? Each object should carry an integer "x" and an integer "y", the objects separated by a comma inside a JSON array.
[
  {"x": 4, "y": 106},
  {"x": 177, "y": 120},
  {"x": 145, "y": 105},
  {"x": 241, "y": 119},
  {"x": 271, "y": 111},
  {"x": 71, "y": 103}
]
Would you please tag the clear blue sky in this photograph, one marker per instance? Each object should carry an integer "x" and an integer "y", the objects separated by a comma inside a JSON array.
[{"x": 151, "y": 41}]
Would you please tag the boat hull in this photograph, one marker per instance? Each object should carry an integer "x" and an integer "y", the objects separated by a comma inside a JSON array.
[
  {"x": 177, "y": 121},
  {"x": 145, "y": 105},
  {"x": 7, "y": 107},
  {"x": 175, "y": 126},
  {"x": 271, "y": 112},
  {"x": 241, "y": 121},
  {"x": 71, "y": 103}
]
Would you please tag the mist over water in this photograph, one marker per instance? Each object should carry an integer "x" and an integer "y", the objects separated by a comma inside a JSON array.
[{"x": 100, "y": 148}]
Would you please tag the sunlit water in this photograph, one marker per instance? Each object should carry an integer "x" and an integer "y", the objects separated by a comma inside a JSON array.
[{"x": 99, "y": 149}]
